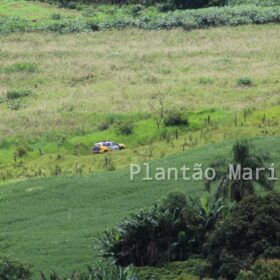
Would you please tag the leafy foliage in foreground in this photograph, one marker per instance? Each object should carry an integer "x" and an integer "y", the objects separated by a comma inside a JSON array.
[
  {"x": 262, "y": 270},
  {"x": 14, "y": 270},
  {"x": 187, "y": 19},
  {"x": 188, "y": 270},
  {"x": 251, "y": 231},
  {"x": 254, "y": 2},
  {"x": 174, "y": 230},
  {"x": 98, "y": 272}
]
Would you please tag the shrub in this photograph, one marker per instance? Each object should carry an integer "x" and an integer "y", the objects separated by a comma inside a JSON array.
[
  {"x": 93, "y": 25},
  {"x": 21, "y": 151},
  {"x": 14, "y": 24},
  {"x": 14, "y": 270},
  {"x": 175, "y": 118},
  {"x": 245, "y": 82},
  {"x": 103, "y": 125},
  {"x": 165, "y": 7},
  {"x": 173, "y": 201},
  {"x": 66, "y": 26},
  {"x": 26, "y": 67},
  {"x": 16, "y": 94},
  {"x": 55, "y": 16},
  {"x": 188, "y": 19},
  {"x": 66, "y": 4},
  {"x": 262, "y": 270},
  {"x": 124, "y": 127},
  {"x": 186, "y": 270},
  {"x": 248, "y": 233},
  {"x": 253, "y": 2},
  {"x": 136, "y": 10},
  {"x": 81, "y": 149}
]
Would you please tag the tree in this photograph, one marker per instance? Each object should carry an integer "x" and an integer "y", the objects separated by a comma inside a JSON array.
[
  {"x": 174, "y": 230},
  {"x": 248, "y": 233},
  {"x": 158, "y": 108},
  {"x": 244, "y": 160}
]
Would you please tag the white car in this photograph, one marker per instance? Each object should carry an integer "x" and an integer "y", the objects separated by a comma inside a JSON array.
[
  {"x": 113, "y": 146},
  {"x": 106, "y": 146}
]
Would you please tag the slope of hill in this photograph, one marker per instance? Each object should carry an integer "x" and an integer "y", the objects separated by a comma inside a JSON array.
[
  {"x": 77, "y": 88},
  {"x": 52, "y": 222}
]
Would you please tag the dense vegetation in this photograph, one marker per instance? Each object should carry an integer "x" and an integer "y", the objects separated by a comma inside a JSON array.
[
  {"x": 168, "y": 4},
  {"x": 161, "y": 15},
  {"x": 157, "y": 91},
  {"x": 262, "y": 270},
  {"x": 172, "y": 231},
  {"x": 178, "y": 230},
  {"x": 187, "y": 19},
  {"x": 249, "y": 232}
]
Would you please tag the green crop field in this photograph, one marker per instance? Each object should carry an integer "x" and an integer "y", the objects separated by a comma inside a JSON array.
[
  {"x": 52, "y": 222},
  {"x": 74, "y": 73}
]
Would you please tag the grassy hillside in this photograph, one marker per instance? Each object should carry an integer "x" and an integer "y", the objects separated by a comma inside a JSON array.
[
  {"x": 31, "y": 9},
  {"x": 60, "y": 93},
  {"x": 52, "y": 222},
  {"x": 78, "y": 82}
]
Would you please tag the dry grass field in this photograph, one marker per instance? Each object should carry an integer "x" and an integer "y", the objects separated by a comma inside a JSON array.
[{"x": 73, "y": 77}]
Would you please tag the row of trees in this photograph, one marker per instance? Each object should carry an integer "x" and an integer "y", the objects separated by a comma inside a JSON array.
[{"x": 178, "y": 4}]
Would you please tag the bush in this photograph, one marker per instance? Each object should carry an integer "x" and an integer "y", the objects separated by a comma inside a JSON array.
[
  {"x": 124, "y": 127},
  {"x": 21, "y": 151},
  {"x": 186, "y": 270},
  {"x": 187, "y": 19},
  {"x": 175, "y": 118},
  {"x": 55, "y": 16},
  {"x": 262, "y": 270},
  {"x": 66, "y": 26},
  {"x": 245, "y": 82},
  {"x": 26, "y": 67},
  {"x": 14, "y": 270},
  {"x": 253, "y": 2},
  {"x": 173, "y": 201},
  {"x": 16, "y": 94},
  {"x": 66, "y": 4},
  {"x": 248, "y": 233},
  {"x": 136, "y": 10},
  {"x": 103, "y": 126},
  {"x": 14, "y": 24}
]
